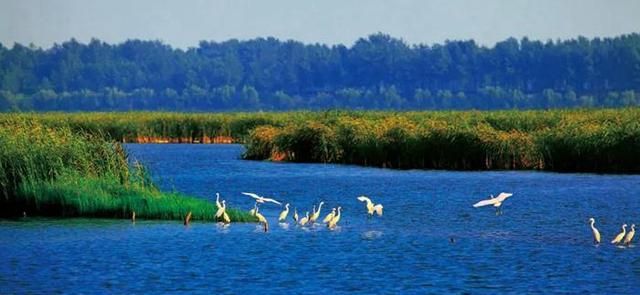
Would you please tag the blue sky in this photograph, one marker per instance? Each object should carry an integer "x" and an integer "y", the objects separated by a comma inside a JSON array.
[{"x": 184, "y": 23}]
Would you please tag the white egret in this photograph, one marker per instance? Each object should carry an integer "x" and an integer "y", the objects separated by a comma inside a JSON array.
[
  {"x": 221, "y": 209},
  {"x": 316, "y": 214},
  {"x": 254, "y": 210},
  {"x": 619, "y": 237},
  {"x": 261, "y": 219},
  {"x": 630, "y": 234},
  {"x": 305, "y": 219},
  {"x": 329, "y": 216},
  {"x": 596, "y": 233},
  {"x": 225, "y": 218},
  {"x": 218, "y": 200},
  {"x": 495, "y": 201},
  {"x": 371, "y": 208},
  {"x": 284, "y": 213},
  {"x": 334, "y": 221},
  {"x": 260, "y": 199},
  {"x": 295, "y": 215},
  {"x": 187, "y": 219}
]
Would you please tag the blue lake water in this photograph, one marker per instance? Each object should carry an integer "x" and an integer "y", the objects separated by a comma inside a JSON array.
[{"x": 540, "y": 244}]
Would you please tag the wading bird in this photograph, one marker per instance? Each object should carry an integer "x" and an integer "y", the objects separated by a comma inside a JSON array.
[
  {"x": 218, "y": 200},
  {"x": 630, "y": 234},
  {"x": 329, "y": 216},
  {"x": 315, "y": 214},
  {"x": 295, "y": 215},
  {"x": 305, "y": 219},
  {"x": 187, "y": 219},
  {"x": 370, "y": 207},
  {"x": 495, "y": 201},
  {"x": 225, "y": 217},
  {"x": 221, "y": 209},
  {"x": 334, "y": 221},
  {"x": 261, "y": 219},
  {"x": 619, "y": 237},
  {"x": 284, "y": 213},
  {"x": 596, "y": 233},
  {"x": 260, "y": 199}
]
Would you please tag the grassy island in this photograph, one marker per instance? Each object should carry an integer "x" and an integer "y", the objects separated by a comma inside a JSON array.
[{"x": 55, "y": 171}]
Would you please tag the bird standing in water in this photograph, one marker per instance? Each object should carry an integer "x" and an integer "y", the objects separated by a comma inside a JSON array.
[
  {"x": 334, "y": 221},
  {"x": 305, "y": 219},
  {"x": 316, "y": 214},
  {"x": 596, "y": 233},
  {"x": 284, "y": 213},
  {"x": 620, "y": 236},
  {"x": 329, "y": 216},
  {"x": 630, "y": 234}
]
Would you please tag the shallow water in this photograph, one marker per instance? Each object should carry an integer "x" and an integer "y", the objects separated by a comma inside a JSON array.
[{"x": 430, "y": 239}]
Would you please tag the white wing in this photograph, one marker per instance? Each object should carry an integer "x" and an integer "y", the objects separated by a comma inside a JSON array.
[
  {"x": 364, "y": 199},
  {"x": 271, "y": 200},
  {"x": 503, "y": 196},
  {"x": 485, "y": 202},
  {"x": 252, "y": 195}
]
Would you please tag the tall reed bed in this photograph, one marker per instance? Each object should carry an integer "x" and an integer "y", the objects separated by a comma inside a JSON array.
[
  {"x": 55, "y": 171},
  {"x": 582, "y": 140}
]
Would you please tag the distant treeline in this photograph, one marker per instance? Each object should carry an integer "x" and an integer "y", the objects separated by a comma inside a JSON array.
[
  {"x": 559, "y": 140},
  {"x": 377, "y": 72}
]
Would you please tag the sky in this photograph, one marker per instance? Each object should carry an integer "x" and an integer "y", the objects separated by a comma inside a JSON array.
[{"x": 184, "y": 23}]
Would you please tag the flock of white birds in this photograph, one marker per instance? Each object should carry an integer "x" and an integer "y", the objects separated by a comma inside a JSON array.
[
  {"x": 331, "y": 220},
  {"x": 623, "y": 238}
]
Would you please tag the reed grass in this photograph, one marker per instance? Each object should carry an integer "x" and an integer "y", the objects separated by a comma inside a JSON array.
[
  {"x": 55, "y": 171},
  {"x": 561, "y": 140}
]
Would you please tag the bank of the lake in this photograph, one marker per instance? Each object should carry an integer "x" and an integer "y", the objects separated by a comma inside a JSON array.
[{"x": 54, "y": 171}]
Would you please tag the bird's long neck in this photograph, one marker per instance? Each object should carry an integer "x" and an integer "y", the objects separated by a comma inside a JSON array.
[
  {"x": 592, "y": 223},
  {"x": 338, "y": 212},
  {"x": 624, "y": 229},
  {"x": 320, "y": 207}
]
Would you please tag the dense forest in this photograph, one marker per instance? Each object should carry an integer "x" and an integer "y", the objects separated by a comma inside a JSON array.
[{"x": 377, "y": 72}]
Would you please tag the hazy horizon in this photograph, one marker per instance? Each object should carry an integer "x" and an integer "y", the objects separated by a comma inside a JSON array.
[{"x": 44, "y": 23}]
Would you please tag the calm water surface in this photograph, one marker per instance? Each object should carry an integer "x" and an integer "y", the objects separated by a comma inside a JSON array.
[{"x": 541, "y": 243}]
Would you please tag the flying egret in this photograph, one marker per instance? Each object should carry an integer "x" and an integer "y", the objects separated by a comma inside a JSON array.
[
  {"x": 260, "y": 199},
  {"x": 305, "y": 219},
  {"x": 316, "y": 214},
  {"x": 370, "y": 207},
  {"x": 495, "y": 201},
  {"x": 334, "y": 221},
  {"x": 329, "y": 216},
  {"x": 629, "y": 237},
  {"x": 619, "y": 237},
  {"x": 284, "y": 213},
  {"x": 295, "y": 215},
  {"x": 596, "y": 233}
]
